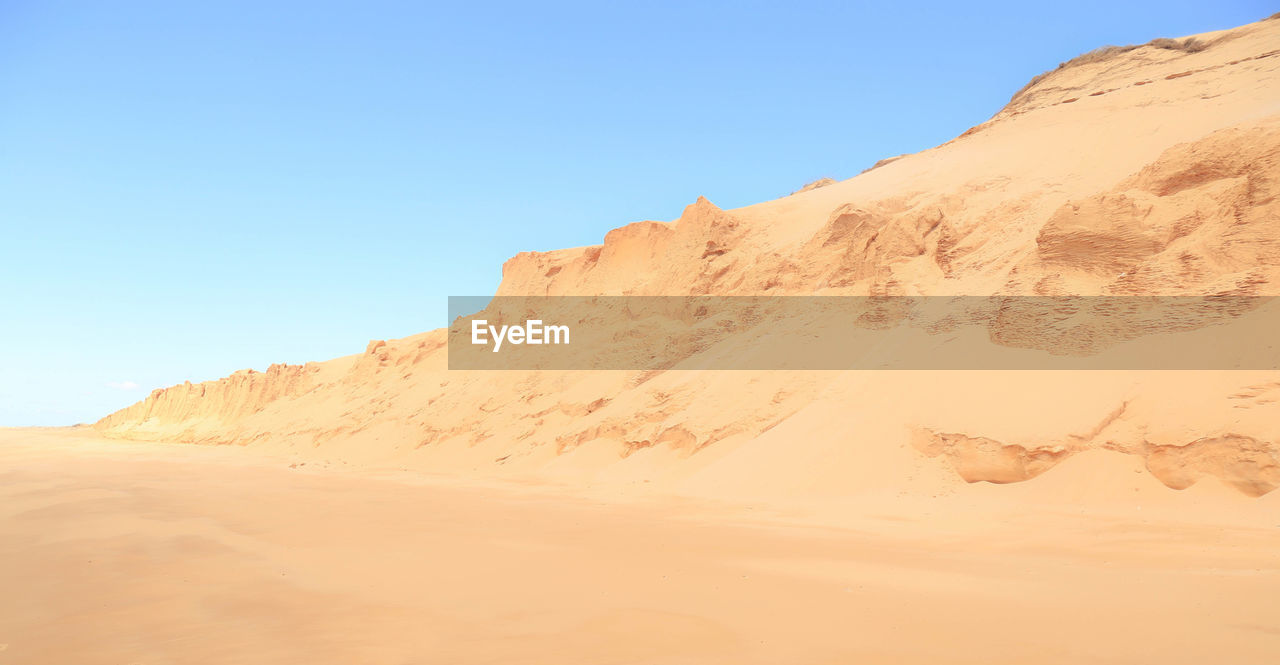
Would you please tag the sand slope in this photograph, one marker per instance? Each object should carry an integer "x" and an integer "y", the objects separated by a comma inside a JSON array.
[{"x": 1149, "y": 171}]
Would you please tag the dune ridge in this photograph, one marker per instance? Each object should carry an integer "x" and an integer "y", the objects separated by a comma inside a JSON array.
[{"x": 1151, "y": 171}]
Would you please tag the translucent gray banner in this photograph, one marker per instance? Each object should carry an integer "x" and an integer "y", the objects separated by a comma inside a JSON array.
[{"x": 850, "y": 332}]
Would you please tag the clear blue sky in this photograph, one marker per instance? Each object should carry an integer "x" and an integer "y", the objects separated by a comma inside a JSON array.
[{"x": 186, "y": 191}]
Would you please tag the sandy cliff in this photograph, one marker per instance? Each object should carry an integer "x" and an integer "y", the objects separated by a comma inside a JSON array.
[{"x": 1147, "y": 170}]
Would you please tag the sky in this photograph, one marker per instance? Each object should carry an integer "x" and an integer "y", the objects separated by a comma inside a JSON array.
[{"x": 188, "y": 189}]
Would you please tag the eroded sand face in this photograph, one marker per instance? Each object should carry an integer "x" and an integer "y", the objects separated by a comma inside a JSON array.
[
  {"x": 135, "y": 553},
  {"x": 1153, "y": 172}
]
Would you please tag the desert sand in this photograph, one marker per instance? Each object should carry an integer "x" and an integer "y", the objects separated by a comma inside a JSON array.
[
  {"x": 1147, "y": 171},
  {"x": 135, "y": 553},
  {"x": 382, "y": 508}
]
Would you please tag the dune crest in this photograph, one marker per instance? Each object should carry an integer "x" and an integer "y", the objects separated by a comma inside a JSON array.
[{"x": 1151, "y": 170}]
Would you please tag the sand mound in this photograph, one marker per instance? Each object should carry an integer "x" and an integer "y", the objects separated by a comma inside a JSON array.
[
  {"x": 820, "y": 182},
  {"x": 1143, "y": 170}
]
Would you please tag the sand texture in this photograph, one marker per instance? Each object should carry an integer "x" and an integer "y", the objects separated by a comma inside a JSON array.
[
  {"x": 380, "y": 508},
  {"x": 1151, "y": 171},
  {"x": 135, "y": 553}
]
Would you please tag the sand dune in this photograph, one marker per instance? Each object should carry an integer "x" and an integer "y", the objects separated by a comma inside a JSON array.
[
  {"x": 1143, "y": 171},
  {"x": 382, "y": 508}
]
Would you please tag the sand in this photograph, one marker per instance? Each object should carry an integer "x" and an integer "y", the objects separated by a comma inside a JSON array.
[
  {"x": 1155, "y": 171},
  {"x": 382, "y": 508},
  {"x": 135, "y": 553}
]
